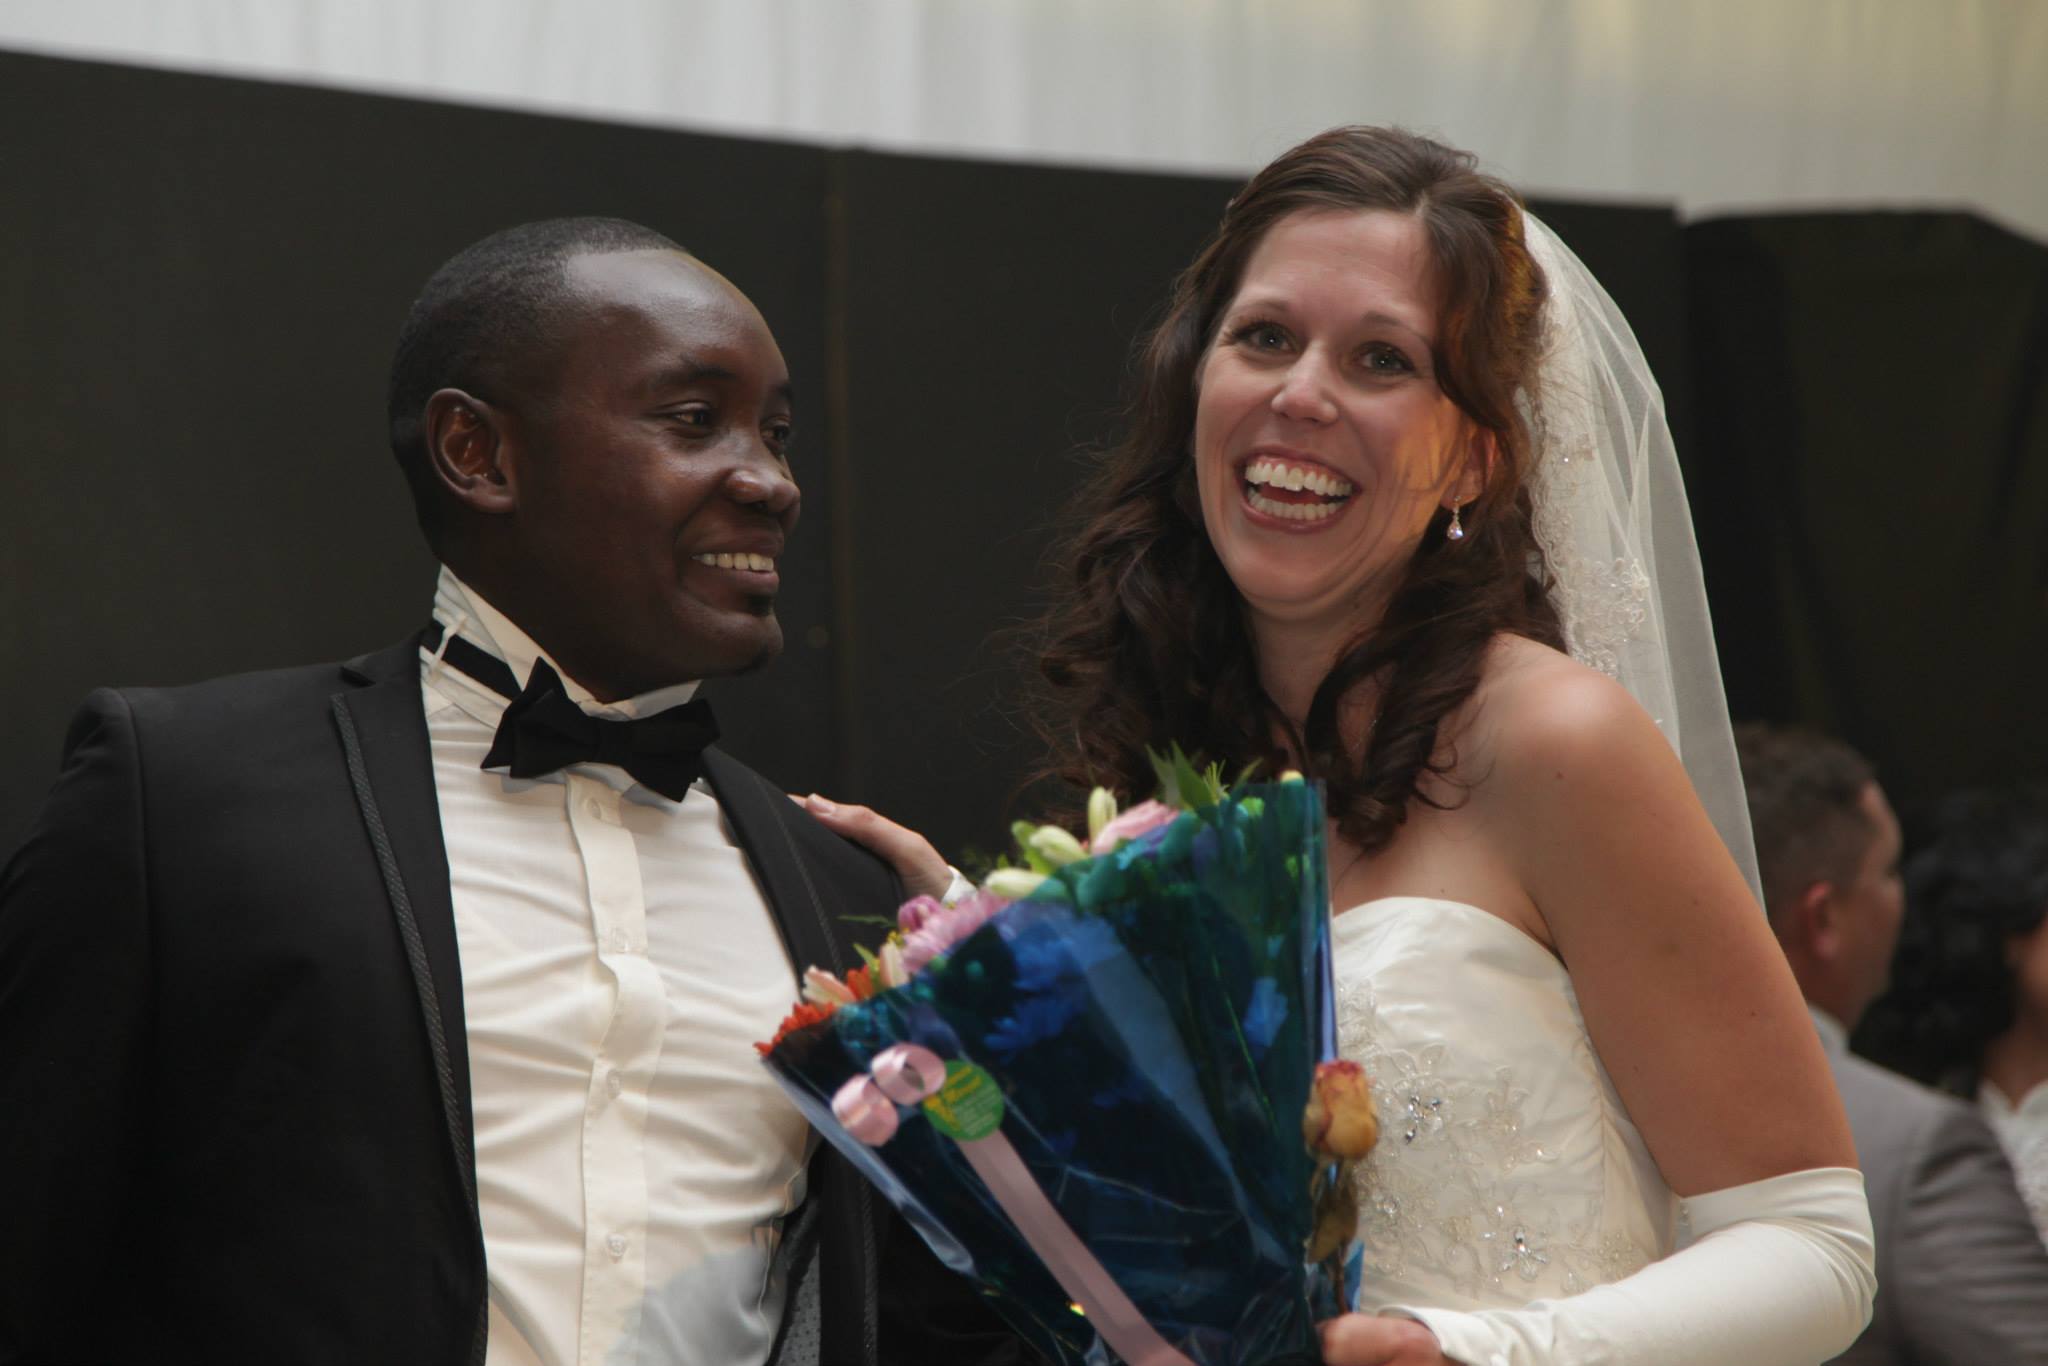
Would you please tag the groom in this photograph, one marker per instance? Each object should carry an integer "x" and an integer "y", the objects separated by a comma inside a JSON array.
[{"x": 400, "y": 1010}]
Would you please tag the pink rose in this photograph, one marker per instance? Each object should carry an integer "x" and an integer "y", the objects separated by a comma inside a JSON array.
[
  {"x": 913, "y": 914},
  {"x": 1131, "y": 824},
  {"x": 940, "y": 930}
]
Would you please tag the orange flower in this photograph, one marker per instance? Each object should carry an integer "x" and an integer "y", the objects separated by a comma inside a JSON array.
[
  {"x": 860, "y": 982},
  {"x": 803, "y": 1017}
]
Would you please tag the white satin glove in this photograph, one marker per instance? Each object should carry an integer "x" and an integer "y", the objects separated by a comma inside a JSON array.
[{"x": 1779, "y": 1272}]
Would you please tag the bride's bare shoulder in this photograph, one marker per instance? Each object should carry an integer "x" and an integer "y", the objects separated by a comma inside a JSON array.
[{"x": 1538, "y": 710}]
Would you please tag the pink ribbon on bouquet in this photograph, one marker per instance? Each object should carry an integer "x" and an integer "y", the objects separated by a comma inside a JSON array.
[{"x": 909, "y": 1074}]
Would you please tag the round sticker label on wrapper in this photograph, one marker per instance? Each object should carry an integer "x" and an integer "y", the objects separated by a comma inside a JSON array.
[{"x": 969, "y": 1106}]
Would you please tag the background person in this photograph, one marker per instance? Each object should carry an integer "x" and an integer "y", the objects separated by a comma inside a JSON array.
[
  {"x": 1962, "y": 1277},
  {"x": 1968, "y": 1005}
]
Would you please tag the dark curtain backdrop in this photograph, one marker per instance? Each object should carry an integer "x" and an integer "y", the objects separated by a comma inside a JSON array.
[
  {"x": 202, "y": 279},
  {"x": 1872, "y": 484}
]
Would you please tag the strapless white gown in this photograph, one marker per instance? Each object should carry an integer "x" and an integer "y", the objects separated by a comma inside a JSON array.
[{"x": 1506, "y": 1169}]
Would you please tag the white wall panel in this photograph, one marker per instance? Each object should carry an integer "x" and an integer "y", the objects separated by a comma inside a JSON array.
[{"x": 1716, "y": 104}]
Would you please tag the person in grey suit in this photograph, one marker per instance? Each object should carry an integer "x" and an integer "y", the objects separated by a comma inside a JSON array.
[{"x": 1962, "y": 1276}]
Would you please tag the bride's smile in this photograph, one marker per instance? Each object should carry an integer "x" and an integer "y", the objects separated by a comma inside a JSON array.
[{"x": 1293, "y": 491}]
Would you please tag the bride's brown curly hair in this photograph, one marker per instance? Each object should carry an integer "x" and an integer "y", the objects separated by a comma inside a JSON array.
[{"x": 1147, "y": 641}]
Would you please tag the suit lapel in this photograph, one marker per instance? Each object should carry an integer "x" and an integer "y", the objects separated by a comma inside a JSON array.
[
  {"x": 383, "y": 732},
  {"x": 834, "y": 1265},
  {"x": 761, "y": 817}
]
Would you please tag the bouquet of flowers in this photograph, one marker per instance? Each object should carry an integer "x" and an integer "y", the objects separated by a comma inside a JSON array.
[{"x": 1094, "y": 1085}]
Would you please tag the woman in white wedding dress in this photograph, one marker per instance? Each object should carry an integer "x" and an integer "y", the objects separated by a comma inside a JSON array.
[{"x": 1398, "y": 507}]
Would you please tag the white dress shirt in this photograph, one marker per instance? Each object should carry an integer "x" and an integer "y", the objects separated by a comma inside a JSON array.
[
  {"x": 634, "y": 1159},
  {"x": 1834, "y": 1035},
  {"x": 2022, "y": 1131}
]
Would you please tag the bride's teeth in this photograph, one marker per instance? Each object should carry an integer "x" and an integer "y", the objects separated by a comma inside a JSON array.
[
  {"x": 1272, "y": 474},
  {"x": 1294, "y": 512},
  {"x": 760, "y": 563}
]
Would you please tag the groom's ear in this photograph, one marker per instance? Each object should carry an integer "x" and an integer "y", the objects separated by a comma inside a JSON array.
[{"x": 469, "y": 452}]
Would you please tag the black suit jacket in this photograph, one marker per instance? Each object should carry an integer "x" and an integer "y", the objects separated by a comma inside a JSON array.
[{"x": 234, "y": 1091}]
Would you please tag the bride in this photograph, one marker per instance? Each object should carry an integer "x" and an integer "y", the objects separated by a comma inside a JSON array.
[{"x": 1399, "y": 508}]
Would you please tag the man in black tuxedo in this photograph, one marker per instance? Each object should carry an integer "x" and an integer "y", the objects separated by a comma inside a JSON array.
[{"x": 397, "y": 1010}]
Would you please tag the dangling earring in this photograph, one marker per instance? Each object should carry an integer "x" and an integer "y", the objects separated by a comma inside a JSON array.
[{"x": 1456, "y": 530}]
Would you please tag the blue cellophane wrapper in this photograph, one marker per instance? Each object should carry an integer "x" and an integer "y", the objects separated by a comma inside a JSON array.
[{"x": 1153, "y": 1018}]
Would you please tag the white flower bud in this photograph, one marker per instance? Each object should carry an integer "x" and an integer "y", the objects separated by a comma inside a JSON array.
[
  {"x": 889, "y": 964},
  {"x": 1101, "y": 811},
  {"x": 1056, "y": 846},
  {"x": 1013, "y": 884}
]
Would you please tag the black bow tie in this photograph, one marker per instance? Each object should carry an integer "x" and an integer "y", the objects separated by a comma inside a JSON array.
[{"x": 543, "y": 730}]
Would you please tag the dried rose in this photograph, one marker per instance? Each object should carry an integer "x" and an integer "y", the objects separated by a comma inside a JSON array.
[
  {"x": 1339, "y": 1121},
  {"x": 1336, "y": 1217}
]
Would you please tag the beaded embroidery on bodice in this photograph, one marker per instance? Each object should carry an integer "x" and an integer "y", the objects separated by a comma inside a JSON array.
[{"x": 1506, "y": 1169}]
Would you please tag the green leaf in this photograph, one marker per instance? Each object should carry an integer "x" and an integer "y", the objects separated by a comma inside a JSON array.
[
  {"x": 977, "y": 861},
  {"x": 1181, "y": 784}
]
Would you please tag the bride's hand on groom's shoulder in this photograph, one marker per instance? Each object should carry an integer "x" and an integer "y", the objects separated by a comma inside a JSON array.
[
  {"x": 923, "y": 872},
  {"x": 1373, "y": 1340}
]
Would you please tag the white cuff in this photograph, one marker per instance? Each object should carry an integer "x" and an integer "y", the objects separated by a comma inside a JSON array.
[
  {"x": 1778, "y": 1272},
  {"x": 958, "y": 889}
]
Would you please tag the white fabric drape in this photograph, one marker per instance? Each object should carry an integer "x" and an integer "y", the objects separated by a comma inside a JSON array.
[{"x": 1717, "y": 105}]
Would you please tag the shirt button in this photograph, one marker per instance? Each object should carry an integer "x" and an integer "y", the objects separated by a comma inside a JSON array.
[
  {"x": 591, "y": 807},
  {"x": 613, "y": 1083},
  {"x": 618, "y": 942},
  {"x": 616, "y": 1245}
]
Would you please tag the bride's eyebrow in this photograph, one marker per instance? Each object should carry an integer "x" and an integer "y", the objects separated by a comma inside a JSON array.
[
  {"x": 1257, "y": 303},
  {"x": 1386, "y": 319}
]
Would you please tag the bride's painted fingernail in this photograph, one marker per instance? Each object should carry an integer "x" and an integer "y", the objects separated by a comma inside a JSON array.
[{"x": 820, "y": 805}]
